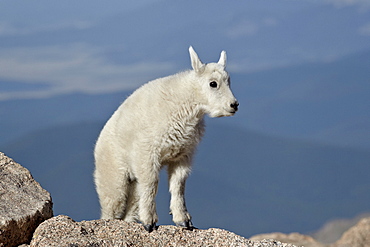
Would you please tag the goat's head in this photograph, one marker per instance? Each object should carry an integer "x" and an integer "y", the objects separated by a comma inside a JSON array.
[{"x": 218, "y": 99}]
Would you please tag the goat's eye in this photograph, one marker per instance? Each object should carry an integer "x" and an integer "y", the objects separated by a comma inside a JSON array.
[{"x": 213, "y": 84}]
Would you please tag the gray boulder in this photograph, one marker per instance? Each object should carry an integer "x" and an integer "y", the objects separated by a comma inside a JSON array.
[
  {"x": 24, "y": 204},
  {"x": 356, "y": 236},
  {"x": 333, "y": 230},
  {"x": 63, "y": 231}
]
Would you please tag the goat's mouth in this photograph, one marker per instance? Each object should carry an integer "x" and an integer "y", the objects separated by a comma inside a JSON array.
[
  {"x": 225, "y": 112},
  {"x": 230, "y": 112}
]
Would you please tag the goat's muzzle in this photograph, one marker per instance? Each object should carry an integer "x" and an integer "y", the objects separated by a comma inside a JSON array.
[{"x": 235, "y": 105}]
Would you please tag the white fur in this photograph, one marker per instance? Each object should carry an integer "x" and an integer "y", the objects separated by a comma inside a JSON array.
[{"x": 159, "y": 125}]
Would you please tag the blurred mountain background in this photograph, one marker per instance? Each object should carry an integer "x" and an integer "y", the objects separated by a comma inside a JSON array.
[{"x": 296, "y": 155}]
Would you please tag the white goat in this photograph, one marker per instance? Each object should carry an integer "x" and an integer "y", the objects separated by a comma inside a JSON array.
[{"x": 159, "y": 125}]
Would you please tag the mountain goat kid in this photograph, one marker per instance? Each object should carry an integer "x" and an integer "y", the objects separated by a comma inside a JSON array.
[{"x": 159, "y": 125}]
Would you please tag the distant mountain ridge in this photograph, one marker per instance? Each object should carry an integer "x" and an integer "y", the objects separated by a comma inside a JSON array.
[{"x": 27, "y": 115}]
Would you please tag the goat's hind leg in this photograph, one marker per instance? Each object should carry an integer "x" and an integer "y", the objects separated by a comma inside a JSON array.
[
  {"x": 132, "y": 208},
  {"x": 113, "y": 194}
]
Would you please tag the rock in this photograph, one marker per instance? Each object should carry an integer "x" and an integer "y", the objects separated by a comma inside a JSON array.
[
  {"x": 357, "y": 236},
  {"x": 333, "y": 230},
  {"x": 63, "y": 231},
  {"x": 24, "y": 204},
  {"x": 294, "y": 238}
]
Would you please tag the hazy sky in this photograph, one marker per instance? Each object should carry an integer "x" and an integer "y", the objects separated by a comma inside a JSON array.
[{"x": 52, "y": 47}]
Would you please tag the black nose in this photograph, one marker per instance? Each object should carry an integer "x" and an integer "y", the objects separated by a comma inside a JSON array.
[{"x": 234, "y": 105}]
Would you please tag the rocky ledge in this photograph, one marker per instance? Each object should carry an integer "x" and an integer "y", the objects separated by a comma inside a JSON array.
[{"x": 63, "y": 231}]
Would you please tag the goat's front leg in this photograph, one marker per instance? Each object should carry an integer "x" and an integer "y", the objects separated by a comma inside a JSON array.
[{"x": 177, "y": 175}]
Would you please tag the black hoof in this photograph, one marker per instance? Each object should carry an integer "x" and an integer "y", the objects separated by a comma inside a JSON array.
[
  {"x": 188, "y": 225},
  {"x": 149, "y": 228}
]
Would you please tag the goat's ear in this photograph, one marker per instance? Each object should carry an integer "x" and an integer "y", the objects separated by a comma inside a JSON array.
[
  {"x": 222, "y": 60},
  {"x": 195, "y": 61}
]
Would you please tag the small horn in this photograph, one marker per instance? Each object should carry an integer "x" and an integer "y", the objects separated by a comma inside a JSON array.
[{"x": 222, "y": 60}]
